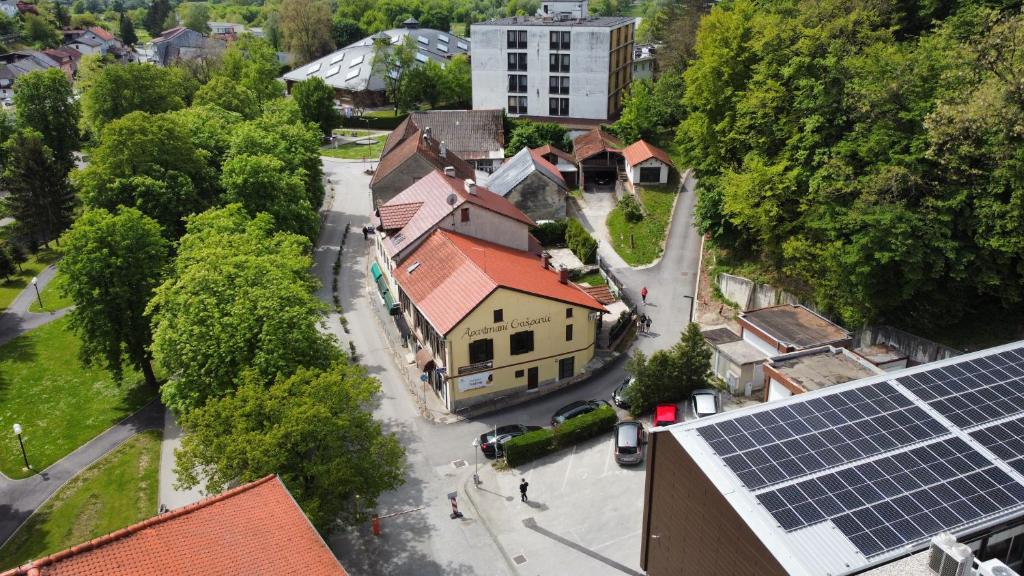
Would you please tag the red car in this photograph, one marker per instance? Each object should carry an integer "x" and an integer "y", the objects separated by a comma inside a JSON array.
[{"x": 664, "y": 414}]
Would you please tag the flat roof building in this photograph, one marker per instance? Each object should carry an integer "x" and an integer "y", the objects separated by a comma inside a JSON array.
[
  {"x": 813, "y": 369},
  {"x": 790, "y": 327}
]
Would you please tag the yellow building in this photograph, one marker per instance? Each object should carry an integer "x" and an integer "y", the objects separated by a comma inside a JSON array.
[{"x": 493, "y": 321}]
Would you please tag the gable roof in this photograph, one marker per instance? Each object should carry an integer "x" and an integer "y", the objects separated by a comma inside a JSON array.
[
  {"x": 416, "y": 145},
  {"x": 517, "y": 168},
  {"x": 549, "y": 149},
  {"x": 398, "y": 135},
  {"x": 395, "y": 216},
  {"x": 449, "y": 264},
  {"x": 256, "y": 528},
  {"x": 595, "y": 142},
  {"x": 640, "y": 150},
  {"x": 101, "y": 33},
  {"x": 431, "y": 194},
  {"x": 472, "y": 134},
  {"x": 87, "y": 40}
]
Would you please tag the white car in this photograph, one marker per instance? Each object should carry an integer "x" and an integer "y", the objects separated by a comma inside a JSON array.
[{"x": 705, "y": 402}]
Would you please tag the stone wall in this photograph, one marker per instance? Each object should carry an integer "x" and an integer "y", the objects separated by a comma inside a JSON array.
[{"x": 919, "y": 350}]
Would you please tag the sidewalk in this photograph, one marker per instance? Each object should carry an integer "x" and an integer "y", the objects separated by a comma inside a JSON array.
[
  {"x": 16, "y": 319},
  {"x": 169, "y": 496}
]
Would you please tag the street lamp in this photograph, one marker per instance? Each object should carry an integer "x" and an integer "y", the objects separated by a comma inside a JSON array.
[
  {"x": 690, "y": 317},
  {"x": 35, "y": 284},
  {"x": 17, "y": 432},
  {"x": 476, "y": 466}
]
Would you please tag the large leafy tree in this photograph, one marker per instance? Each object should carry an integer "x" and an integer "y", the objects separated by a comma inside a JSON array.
[
  {"x": 229, "y": 95},
  {"x": 313, "y": 428},
  {"x": 529, "y": 134},
  {"x": 239, "y": 301},
  {"x": 156, "y": 15},
  {"x": 44, "y": 102},
  {"x": 252, "y": 62},
  {"x": 262, "y": 184},
  {"x": 669, "y": 375},
  {"x": 39, "y": 196},
  {"x": 316, "y": 103},
  {"x": 196, "y": 17},
  {"x": 456, "y": 83},
  {"x": 306, "y": 26},
  {"x": 111, "y": 265},
  {"x": 118, "y": 90},
  {"x": 392, "y": 63}
]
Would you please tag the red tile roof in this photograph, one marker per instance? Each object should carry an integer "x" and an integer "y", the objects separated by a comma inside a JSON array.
[
  {"x": 595, "y": 142},
  {"x": 103, "y": 34},
  {"x": 398, "y": 135},
  {"x": 600, "y": 293},
  {"x": 427, "y": 149},
  {"x": 550, "y": 168},
  {"x": 548, "y": 149},
  {"x": 395, "y": 216},
  {"x": 640, "y": 150},
  {"x": 452, "y": 274},
  {"x": 252, "y": 529}
]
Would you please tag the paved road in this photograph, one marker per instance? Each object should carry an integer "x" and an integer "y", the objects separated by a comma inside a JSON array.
[
  {"x": 19, "y": 498},
  {"x": 16, "y": 319}
]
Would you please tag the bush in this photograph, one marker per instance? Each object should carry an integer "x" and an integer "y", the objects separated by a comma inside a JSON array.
[
  {"x": 551, "y": 233},
  {"x": 586, "y": 426},
  {"x": 529, "y": 446},
  {"x": 580, "y": 241},
  {"x": 631, "y": 208}
]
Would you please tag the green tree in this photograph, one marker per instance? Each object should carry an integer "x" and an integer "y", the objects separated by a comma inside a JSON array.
[
  {"x": 118, "y": 90},
  {"x": 239, "y": 302},
  {"x": 314, "y": 429},
  {"x": 60, "y": 15},
  {"x": 669, "y": 376},
  {"x": 693, "y": 359},
  {"x": 127, "y": 30},
  {"x": 38, "y": 30},
  {"x": 456, "y": 83},
  {"x": 7, "y": 264},
  {"x": 196, "y": 16},
  {"x": 306, "y": 29},
  {"x": 580, "y": 241},
  {"x": 156, "y": 15},
  {"x": 112, "y": 264},
  {"x": 262, "y": 184},
  {"x": 45, "y": 102},
  {"x": 225, "y": 93},
  {"x": 316, "y": 103},
  {"x": 39, "y": 196},
  {"x": 345, "y": 31},
  {"x": 392, "y": 63},
  {"x": 252, "y": 62},
  {"x": 529, "y": 134},
  {"x": 210, "y": 129}
]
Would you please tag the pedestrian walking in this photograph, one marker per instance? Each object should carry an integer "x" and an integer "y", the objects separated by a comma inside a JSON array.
[
  {"x": 366, "y": 232},
  {"x": 643, "y": 323},
  {"x": 522, "y": 489},
  {"x": 647, "y": 324},
  {"x": 639, "y": 323},
  {"x": 643, "y": 294}
]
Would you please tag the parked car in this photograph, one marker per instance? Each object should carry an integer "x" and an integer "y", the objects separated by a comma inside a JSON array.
[
  {"x": 705, "y": 402},
  {"x": 489, "y": 439},
  {"x": 573, "y": 410},
  {"x": 619, "y": 396},
  {"x": 629, "y": 440},
  {"x": 665, "y": 414}
]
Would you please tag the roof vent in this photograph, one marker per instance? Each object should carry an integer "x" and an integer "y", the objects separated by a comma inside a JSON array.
[
  {"x": 426, "y": 133},
  {"x": 449, "y": 171},
  {"x": 442, "y": 150},
  {"x": 413, "y": 267},
  {"x": 470, "y": 186},
  {"x": 545, "y": 258},
  {"x": 947, "y": 558}
]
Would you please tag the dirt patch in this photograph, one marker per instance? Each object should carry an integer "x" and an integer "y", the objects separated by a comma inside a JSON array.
[{"x": 710, "y": 310}]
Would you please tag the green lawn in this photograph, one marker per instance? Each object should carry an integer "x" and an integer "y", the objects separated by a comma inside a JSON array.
[
  {"x": 594, "y": 279},
  {"x": 356, "y": 151},
  {"x": 641, "y": 242},
  {"x": 118, "y": 490},
  {"x": 388, "y": 113},
  {"x": 59, "y": 403},
  {"x": 51, "y": 296},
  {"x": 10, "y": 288}
]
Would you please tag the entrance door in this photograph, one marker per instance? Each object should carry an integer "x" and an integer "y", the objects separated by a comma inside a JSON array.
[
  {"x": 566, "y": 367},
  {"x": 532, "y": 378}
]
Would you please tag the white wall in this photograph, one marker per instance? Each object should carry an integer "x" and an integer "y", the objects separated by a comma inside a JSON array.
[
  {"x": 777, "y": 391},
  {"x": 755, "y": 341},
  {"x": 588, "y": 84},
  {"x": 634, "y": 171},
  {"x": 490, "y": 226}
]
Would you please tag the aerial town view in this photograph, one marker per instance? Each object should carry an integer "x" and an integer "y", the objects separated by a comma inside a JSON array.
[{"x": 511, "y": 287}]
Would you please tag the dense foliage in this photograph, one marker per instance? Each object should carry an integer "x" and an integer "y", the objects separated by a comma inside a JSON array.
[
  {"x": 669, "y": 375},
  {"x": 582, "y": 244},
  {"x": 529, "y": 134}
]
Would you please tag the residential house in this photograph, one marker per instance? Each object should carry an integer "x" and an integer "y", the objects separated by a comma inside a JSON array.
[
  {"x": 67, "y": 58},
  {"x": 645, "y": 65},
  {"x": 735, "y": 361},
  {"x": 16, "y": 64},
  {"x": 563, "y": 161},
  {"x": 476, "y": 136},
  {"x": 532, "y": 184},
  {"x": 598, "y": 155},
  {"x": 788, "y": 328},
  {"x": 417, "y": 155},
  {"x": 94, "y": 40},
  {"x": 255, "y": 528},
  {"x": 813, "y": 369},
  {"x": 646, "y": 163},
  {"x": 179, "y": 44},
  {"x": 570, "y": 8}
]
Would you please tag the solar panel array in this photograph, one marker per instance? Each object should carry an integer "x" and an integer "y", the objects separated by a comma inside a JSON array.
[
  {"x": 776, "y": 445},
  {"x": 876, "y": 464}
]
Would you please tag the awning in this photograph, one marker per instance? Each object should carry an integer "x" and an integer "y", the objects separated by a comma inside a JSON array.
[
  {"x": 424, "y": 360},
  {"x": 375, "y": 270}
]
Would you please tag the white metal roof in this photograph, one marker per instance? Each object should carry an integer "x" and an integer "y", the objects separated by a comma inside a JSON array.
[{"x": 822, "y": 549}]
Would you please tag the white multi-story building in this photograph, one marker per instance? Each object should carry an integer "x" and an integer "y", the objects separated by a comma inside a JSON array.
[
  {"x": 575, "y": 8},
  {"x": 555, "y": 68}
]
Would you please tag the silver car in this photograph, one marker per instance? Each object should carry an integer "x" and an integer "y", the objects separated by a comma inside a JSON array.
[
  {"x": 705, "y": 402},
  {"x": 629, "y": 439}
]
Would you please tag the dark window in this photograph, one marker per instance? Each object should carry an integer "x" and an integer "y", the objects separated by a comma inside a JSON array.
[
  {"x": 481, "y": 351},
  {"x": 650, "y": 174},
  {"x": 517, "y": 39},
  {"x": 559, "y": 40},
  {"x": 464, "y": 214},
  {"x": 554, "y": 40},
  {"x": 566, "y": 367},
  {"x": 521, "y": 342},
  {"x": 558, "y": 63},
  {"x": 517, "y": 104},
  {"x": 565, "y": 62},
  {"x": 568, "y": 333},
  {"x": 558, "y": 106},
  {"x": 558, "y": 84},
  {"x": 520, "y": 373},
  {"x": 499, "y": 315},
  {"x": 517, "y": 61},
  {"x": 565, "y": 40},
  {"x": 517, "y": 83},
  {"x": 568, "y": 312}
]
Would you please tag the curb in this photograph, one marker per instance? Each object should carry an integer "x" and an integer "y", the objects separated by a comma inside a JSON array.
[
  {"x": 671, "y": 216},
  {"x": 487, "y": 526}
]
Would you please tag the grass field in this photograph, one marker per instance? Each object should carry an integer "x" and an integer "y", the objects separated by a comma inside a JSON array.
[
  {"x": 118, "y": 490},
  {"x": 641, "y": 242},
  {"x": 10, "y": 288},
  {"x": 594, "y": 279},
  {"x": 356, "y": 151},
  {"x": 52, "y": 299},
  {"x": 59, "y": 403}
]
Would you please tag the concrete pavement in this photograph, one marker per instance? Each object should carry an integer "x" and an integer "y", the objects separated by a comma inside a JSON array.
[
  {"x": 169, "y": 496},
  {"x": 16, "y": 319}
]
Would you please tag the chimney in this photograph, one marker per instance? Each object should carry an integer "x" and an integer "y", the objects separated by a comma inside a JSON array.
[
  {"x": 470, "y": 186},
  {"x": 563, "y": 275},
  {"x": 545, "y": 259},
  {"x": 442, "y": 150},
  {"x": 449, "y": 171},
  {"x": 426, "y": 134}
]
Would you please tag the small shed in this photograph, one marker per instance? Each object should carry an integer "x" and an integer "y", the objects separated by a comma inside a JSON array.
[{"x": 646, "y": 164}]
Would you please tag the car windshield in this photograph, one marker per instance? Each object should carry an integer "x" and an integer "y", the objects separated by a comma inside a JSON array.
[
  {"x": 704, "y": 404},
  {"x": 627, "y": 449}
]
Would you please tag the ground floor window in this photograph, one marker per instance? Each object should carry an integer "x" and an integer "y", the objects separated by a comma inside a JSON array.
[
  {"x": 566, "y": 367},
  {"x": 650, "y": 174}
]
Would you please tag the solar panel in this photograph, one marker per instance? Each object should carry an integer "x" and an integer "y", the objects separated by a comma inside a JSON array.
[
  {"x": 973, "y": 392},
  {"x": 314, "y": 68},
  {"x": 790, "y": 441},
  {"x": 423, "y": 40},
  {"x": 332, "y": 71},
  {"x": 442, "y": 47},
  {"x": 420, "y": 56},
  {"x": 1005, "y": 440},
  {"x": 899, "y": 499},
  {"x": 356, "y": 62},
  {"x": 442, "y": 38}
]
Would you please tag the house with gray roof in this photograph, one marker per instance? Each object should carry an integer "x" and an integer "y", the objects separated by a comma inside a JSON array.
[
  {"x": 476, "y": 136},
  {"x": 532, "y": 184},
  {"x": 179, "y": 43}
]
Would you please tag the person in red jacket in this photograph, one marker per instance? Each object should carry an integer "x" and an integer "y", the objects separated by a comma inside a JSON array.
[{"x": 643, "y": 294}]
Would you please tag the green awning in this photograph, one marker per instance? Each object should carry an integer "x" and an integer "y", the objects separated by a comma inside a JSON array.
[
  {"x": 382, "y": 287},
  {"x": 389, "y": 302},
  {"x": 375, "y": 270}
]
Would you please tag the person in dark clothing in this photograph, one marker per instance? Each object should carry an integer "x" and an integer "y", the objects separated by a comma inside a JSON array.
[
  {"x": 366, "y": 232},
  {"x": 522, "y": 489},
  {"x": 647, "y": 324}
]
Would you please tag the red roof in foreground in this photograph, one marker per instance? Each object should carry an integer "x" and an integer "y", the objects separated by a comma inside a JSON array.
[
  {"x": 640, "y": 150},
  {"x": 252, "y": 529},
  {"x": 452, "y": 274}
]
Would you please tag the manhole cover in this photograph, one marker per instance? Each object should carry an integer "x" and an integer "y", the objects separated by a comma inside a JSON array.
[
  {"x": 459, "y": 463},
  {"x": 519, "y": 560}
]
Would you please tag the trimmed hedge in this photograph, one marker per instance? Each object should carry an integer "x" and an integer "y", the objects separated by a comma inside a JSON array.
[
  {"x": 580, "y": 241},
  {"x": 540, "y": 443},
  {"x": 551, "y": 233}
]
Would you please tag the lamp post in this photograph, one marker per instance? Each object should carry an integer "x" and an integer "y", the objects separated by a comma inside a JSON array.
[
  {"x": 476, "y": 465},
  {"x": 35, "y": 284},
  {"x": 689, "y": 318},
  {"x": 17, "y": 432}
]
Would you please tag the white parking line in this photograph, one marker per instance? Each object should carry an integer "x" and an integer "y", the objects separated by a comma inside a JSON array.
[
  {"x": 607, "y": 462},
  {"x": 568, "y": 468},
  {"x": 615, "y": 541}
]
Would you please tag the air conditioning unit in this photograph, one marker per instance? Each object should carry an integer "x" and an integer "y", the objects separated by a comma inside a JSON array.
[
  {"x": 947, "y": 558},
  {"x": 995, "y": 568}
]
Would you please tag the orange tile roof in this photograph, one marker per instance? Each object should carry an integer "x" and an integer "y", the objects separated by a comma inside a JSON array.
[
  {"x": 256, "y": 528},
  {"x": 600, "y": 293},
  {"x": 428, "y": 149},
  {"x": 394, "y": 216},
  {"x": 452, "y": 274},
  {"x": 548, "y": 149},
  {"x": 595, "y": 142},
  {"x": 103, "y": 34},
  {"x": 640, "y": 150}
]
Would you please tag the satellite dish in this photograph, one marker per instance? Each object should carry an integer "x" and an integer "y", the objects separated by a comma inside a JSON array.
[{"x": 452, "y": 199}]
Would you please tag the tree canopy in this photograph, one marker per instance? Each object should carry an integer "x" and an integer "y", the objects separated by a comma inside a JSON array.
[
  {"x": 118, "y": 90},
  {"x": 315, "y": 100},
  {"x": 529, "y": 134},
  {"x": 226, "y": 93},
  {"x": 45, "y": 102},
  {"x": 39, "y": 196}
]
